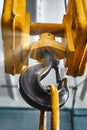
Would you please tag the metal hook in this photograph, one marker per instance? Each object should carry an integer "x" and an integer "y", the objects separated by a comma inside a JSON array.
[{"x": 31, "y": 89}]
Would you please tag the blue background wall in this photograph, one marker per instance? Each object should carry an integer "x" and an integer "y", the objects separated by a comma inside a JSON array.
[{"x": 28, "y": 119}]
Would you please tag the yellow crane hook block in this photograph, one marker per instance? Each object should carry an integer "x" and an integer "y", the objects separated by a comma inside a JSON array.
[{"x": 15, "y": 34}]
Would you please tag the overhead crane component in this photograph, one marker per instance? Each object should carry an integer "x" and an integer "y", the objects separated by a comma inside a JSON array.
[
  {"x": 33, "y": 92},
  {"x": 15, "y": 34},
  {"x": 46, "y": 42},
  {"x": 75, "y": 37},
  {"x": 16, "y": 30}
]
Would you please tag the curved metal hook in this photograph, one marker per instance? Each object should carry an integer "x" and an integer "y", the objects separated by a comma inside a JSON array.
[{"x": 31, "y": 89}]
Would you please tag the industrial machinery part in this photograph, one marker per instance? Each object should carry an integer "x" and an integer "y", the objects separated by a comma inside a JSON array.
[
  {"x": 55, "y": 112},
  {"x": 46, "y": 50},
  {"x": 75, "y": 37},
  {"x": 31, "y": 89},
  {"x": 15, "y": 34},
  {"x": 16, "y": 30},
  {"x": 46, "y": 42}
]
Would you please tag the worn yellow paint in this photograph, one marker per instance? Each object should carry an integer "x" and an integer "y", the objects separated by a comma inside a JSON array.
[
  {"x": 55, "y": 112},
  {"x": 46, "y": 43},
  {"x": 15, "y": 34},
  {"x": 16, "y": 30},
  {"x": 75, "y": 37}
]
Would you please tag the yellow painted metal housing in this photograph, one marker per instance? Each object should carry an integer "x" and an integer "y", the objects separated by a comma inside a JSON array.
[
  {"x": 16, "y": 29},
  {"x": 46, "y": 43},
  {"x": 75, "y": 37},
  {"x": 15, "y": 34}
]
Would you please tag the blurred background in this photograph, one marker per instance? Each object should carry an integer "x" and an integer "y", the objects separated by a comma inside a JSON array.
[{"x": 15, "y": 113}]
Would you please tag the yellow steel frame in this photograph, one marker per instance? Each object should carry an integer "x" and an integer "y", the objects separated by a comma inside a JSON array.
[
  {"x": 15, "y": 34},
  {"x": 75, "y": 37},
  {"x": 16, "y": 30}
]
